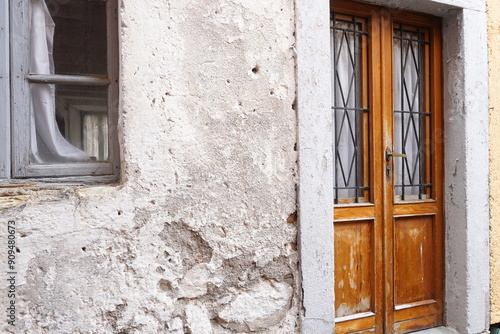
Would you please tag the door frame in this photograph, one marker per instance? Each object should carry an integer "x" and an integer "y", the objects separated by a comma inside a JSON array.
[{"x": 466, "y": 204}]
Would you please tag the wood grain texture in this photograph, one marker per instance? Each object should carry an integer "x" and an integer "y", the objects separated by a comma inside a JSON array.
[
  {"x": 416, "y": 310},
  {"x": 7, "y": 202},
  {"x": 413, "y": 260},
  {"x": 354, "y": 212},
  {"x": 354, "y": 268},
  {"x": 415, "y": 324},
  {"x": 355, "y": 325}
]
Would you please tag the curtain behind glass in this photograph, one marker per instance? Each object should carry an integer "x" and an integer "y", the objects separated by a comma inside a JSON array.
[
  {"x": 407, "y": 125},
  {"x": 345, "y": 94},
  {"x": 47, "y": 143}
]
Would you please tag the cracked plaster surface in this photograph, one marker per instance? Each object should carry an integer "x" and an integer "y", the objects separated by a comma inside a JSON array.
[{"x": 207, "y": 132}]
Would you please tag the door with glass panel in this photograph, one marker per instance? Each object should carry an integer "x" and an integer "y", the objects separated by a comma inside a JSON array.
[{"x": 388, "y": 217}]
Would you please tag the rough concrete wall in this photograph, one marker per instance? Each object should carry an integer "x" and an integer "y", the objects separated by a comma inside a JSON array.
[
  {"x": 200, "y": 236},
  {"x": 315, "y": 122},
  {"x": 466, "y": 171},
  {"x": 494, "y": 99}
]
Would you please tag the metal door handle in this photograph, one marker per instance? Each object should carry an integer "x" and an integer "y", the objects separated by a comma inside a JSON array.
[{"x": 389, "y": 154}]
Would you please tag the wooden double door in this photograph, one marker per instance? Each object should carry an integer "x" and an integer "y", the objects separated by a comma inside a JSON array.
[{"x": 388, "y": 216}]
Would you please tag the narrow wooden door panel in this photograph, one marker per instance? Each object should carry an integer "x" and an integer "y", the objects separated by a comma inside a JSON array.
[
  {"x": 354, "y": 264},
  {"x": 414, "y": 186},
  {"x": 413, "y": 260}
]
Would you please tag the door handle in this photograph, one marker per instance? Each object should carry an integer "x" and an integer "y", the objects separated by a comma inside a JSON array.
[{"x": 389, "y": 154}]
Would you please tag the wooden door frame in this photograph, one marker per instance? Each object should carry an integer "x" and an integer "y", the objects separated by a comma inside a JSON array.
[
  {"x": 466, "y": 162},
  {"x": 378, "y": 217}
]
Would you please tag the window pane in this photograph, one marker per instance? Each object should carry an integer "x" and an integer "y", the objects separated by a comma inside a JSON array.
[
  {"x": 350, "y": 108},
  {"x": 411, "y": 113},
  {"x": 84, "y": 115},
  {"x": 74, "y": 128},
  {"x": 79, "y": 36}
]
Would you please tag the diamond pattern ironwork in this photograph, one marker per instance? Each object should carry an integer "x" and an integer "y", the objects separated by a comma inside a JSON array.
[
  {"x": 346, "y": 37},
  {"x": 409, "y": 115}
]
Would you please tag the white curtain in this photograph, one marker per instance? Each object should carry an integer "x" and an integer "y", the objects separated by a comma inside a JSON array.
[
  {"x": 406, "y": 98},
  {"x": 47, "y": 143}
]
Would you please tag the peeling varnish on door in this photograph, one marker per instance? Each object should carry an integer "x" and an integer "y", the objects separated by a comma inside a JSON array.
[
  {"x": 345, "y": 310},
  {"x": 353, "y": 281}
]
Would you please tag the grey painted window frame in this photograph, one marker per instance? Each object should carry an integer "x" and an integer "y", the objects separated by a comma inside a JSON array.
[
  {"x": 466, "y": 161},
  {"x": 4, "y": 91},
  {"x": 20, "y": 106}
]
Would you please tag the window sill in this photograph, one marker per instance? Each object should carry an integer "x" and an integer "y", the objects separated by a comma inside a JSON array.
[{"x": 99, "y": 180}]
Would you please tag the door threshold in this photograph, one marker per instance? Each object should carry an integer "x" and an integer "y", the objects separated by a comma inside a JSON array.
[{"x": 437, "y": 330}]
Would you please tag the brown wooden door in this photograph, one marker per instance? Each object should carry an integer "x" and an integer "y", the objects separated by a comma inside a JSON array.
[{"x": 388, "y": 218}]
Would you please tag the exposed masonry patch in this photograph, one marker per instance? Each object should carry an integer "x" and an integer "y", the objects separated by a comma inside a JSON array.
[
  {"x": 114, "y": 317},
  {"x": 189, "y": 245},
  {"x": 262, "y": 306}
]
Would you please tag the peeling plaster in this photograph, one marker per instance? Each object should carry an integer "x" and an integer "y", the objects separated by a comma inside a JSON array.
[{"x": 208, "y": 170}]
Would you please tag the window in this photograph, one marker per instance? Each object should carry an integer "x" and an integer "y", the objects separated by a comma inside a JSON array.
[
  {"x": 63, "y": 90},
  {"x": 349, "y": 39}
]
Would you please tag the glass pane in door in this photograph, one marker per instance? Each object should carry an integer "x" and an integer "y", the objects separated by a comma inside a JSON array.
[
  {"x": 412, "y": 114},
  {"x": 350, "y": 108}
]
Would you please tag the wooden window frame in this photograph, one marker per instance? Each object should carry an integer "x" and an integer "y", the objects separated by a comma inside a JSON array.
[
  {"x": 4, "y": 91},
  {"x": 15, "y": 116}
]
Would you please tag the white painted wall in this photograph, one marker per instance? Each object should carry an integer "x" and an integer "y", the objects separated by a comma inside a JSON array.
[
  {"x": 466, "y": 175},
  {"x": 198, "y": 236},
  {"x": 315, "y": 194}
]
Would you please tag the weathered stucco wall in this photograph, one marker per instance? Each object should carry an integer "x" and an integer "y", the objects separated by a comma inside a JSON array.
[
  {"x": 494, "y": 99},
  {"x": 201, "y": 234}
]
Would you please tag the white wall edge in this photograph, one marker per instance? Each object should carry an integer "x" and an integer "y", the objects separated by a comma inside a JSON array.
[
  {"x": 315, "y": 193},
  {"x": 466, "y": 171}
]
